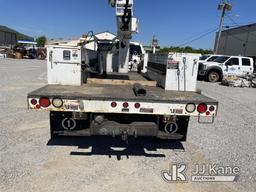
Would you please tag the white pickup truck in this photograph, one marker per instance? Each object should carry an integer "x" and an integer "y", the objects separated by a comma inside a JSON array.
[
  {"x": 208, "y": 58},
  {"x": 214, "y": 71}
]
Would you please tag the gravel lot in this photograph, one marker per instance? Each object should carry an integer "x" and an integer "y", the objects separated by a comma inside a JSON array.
[{"x": 28, "y": 162}]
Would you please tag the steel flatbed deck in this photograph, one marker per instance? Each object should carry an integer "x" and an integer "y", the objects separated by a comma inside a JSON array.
[
  {"x": 97, "y": 96},
  {"x": 119, "y": 93},
  {"x": 114, "y": 109}
]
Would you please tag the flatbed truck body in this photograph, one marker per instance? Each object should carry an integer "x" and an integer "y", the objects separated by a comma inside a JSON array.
[
  {"x": 120, "y": 103},
  {"x": 110, "y": 109}
]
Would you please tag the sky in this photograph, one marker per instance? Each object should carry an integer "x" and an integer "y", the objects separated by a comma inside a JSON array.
[{"x": 174, "y": 22}]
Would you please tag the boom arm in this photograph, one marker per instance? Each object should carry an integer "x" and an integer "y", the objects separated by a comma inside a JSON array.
[{"x": 126, "y": 26}]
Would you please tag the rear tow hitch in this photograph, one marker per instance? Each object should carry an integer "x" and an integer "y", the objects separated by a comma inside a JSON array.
[{"x": 124, "y": 137}]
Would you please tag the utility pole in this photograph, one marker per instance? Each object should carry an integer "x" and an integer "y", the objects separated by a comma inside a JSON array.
[
  {"x": 154, "y": 43},
  {"x": 224, "y": 6}
]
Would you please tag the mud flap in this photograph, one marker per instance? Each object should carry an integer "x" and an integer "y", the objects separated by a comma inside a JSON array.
[
  {"x": 64, "y": 123},
  {"x": 176, "y": 130}
]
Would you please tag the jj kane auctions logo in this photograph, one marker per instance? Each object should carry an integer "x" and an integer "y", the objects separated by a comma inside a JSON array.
[{"x": 201, "y": 173}]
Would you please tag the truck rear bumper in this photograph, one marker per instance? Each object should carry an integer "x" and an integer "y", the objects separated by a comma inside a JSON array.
[
  {"x": 120, "y": 100},
  {"x": 65, "y": 124}
]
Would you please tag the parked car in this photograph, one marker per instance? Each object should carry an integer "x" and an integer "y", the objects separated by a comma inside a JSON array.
[{"x": 226, "y": 65}]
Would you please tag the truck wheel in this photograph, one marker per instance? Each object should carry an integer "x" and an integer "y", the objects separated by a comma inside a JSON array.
[{"x": 213, "y": 76}]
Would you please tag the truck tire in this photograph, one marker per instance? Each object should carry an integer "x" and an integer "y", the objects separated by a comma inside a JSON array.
[{"x": 213, "y": 76}]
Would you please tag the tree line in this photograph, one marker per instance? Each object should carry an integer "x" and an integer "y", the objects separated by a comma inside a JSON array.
[{"x": 186, "y": 49}]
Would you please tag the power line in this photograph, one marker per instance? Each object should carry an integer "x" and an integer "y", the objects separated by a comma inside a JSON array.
[
  {"x": 200, "y": 37},
  {"x": 193, "y": 36},
  {"x": 232, "y": 20},
  {"x": 235, "y": 37},
  {"x": 246, "y": 30}
]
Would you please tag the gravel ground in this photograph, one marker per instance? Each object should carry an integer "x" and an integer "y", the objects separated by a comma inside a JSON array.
[{"x": 28, "y": 162}]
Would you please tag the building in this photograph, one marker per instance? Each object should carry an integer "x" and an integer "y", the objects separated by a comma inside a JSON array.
[
  {"x": 238, "y": 41},
  {"x": 103, "y": 36},
  {"x": 7, "y": 38},
  {"x": 149, "y": 48}
]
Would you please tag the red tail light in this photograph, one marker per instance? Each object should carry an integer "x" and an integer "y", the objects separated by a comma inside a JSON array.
[
  {"x": 137, "y": 105},
  {"x": 38, "y": 106},
  {"x": 113, "y": 104},
  {"x": 125, "y": 105},
  {"x": 33, "y": 101},
  {"x": 202, "y": 108},
  {"x": 44, "y": 102}
]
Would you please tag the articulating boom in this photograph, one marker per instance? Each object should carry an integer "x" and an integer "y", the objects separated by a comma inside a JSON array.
[{"x": 126, "y": 26}]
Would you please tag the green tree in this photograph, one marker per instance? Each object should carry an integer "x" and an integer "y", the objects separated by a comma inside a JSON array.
[
  {"x": 186, "y": 49},
  {"x": 41, "y": 41}
]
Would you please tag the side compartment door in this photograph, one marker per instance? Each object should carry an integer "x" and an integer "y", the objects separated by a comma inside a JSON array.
[{"x": 64, "y": 67}]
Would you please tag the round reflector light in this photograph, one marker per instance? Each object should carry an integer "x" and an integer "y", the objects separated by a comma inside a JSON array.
[
  {"x": 202, "y": 108},
  {"x": 33, "y": 101},
  {"x": 125, "y": 105},
  {"x": 38, "y": 106},
  {"x": 137, "y": 105},
  {"x": 211, "y": 108},
  {"x": 190, "y": 107},
  {"x": 44, "y": 102},
  {"x": 57, "y": 102},
  {"x": 113, "y": 104}
]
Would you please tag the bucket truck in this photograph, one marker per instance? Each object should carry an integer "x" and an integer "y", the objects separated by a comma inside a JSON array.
[{"x": 84, "y": 100}]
